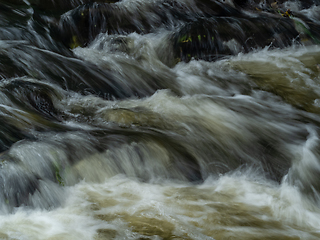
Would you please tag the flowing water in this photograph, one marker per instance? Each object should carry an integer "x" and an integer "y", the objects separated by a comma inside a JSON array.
[{"x": 119, "y": 139}]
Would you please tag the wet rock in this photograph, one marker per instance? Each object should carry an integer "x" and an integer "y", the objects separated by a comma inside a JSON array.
[
  {"x": 21, "y": 186},
  {"x": 140, "y": 156},
  {"x": 209, "y": 25},
  {"x": 257, "y": 3},
  {"x": 215, "y": 8},
  {"x": 273, "y": 4},
  {"x": 33, "y": 97},
  {"x": 210, "y": 38},
  {"x": 309, "y": 31},
  {"x": 22, "y": 60},
  {"x": 11, "y": 14},
  {"x": 9, "y": 134},
  {"x": 80, "y": 26},
  {"x": 213, "y": 30},
  {"x": 15, "y": 183},
  {"x": 309, "y": 3},
  {"x": 30, "y": 172},
  {"x": 60, "y": 6}
]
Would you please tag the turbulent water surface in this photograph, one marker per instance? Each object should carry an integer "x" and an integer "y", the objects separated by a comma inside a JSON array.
[{"x": 154, "y": 119}]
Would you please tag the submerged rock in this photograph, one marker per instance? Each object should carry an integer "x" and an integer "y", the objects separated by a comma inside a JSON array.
[
  {"x": 16, "y": 185},
  {"x": 32, "y": 172},
  {"x": 22, "y": 186},
  {"x": 33, "y": 97},
  {"x": 9, "y": 134},
  {"x": 24, "y": 60}
]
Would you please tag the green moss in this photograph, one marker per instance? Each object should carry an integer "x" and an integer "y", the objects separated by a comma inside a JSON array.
[
  {"x": 305, "y": 30},
  {"x": 57, "y": 173},
  {"x": 74, "y": 42},
  {"x": 183, "y": 38}
]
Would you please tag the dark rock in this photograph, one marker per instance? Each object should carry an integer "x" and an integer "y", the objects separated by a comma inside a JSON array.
[
  {"x": 23, "y": 60},
  {"x": 210, "y": 38},
  {"x": 61, "y": 6},
  {"x": 9, "y": 134},
  {"x": 211, "y": 29},
  {"x": 16, "y": 183},
  {"x": 80, "y": 26},
  {"x": 264, "y": 5},
  {"x": 33, "y": 97},
  {"x": 305, "y": 4},
  {"x": 211, "y": 8}
]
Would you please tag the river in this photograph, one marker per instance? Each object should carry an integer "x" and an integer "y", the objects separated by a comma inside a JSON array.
[{"x": 155, "y": 119}]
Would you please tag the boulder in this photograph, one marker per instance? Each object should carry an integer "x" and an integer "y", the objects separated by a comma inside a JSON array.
[
  {"x": 212, "y": 38},
  {"x": 81, "y": 25}
]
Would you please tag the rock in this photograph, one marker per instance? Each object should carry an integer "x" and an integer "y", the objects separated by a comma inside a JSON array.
[
  {"x": 61, "y": 6},
  {"x": 138, "y": 156},
  {"x": 22, "y": 60},
  {"x": 211, "y": 29},
  {"x": 80, "y": 26},
  {"x": 9, "y": 134},
  {"x": 309, "y": 3},
  {"x": 33, "y": 97},
  {"x": 265, "y": 4},
  {"x": 22, "y": 186},
  {"x": 211, "y": 8},
  {"x": 208, "y": 38},
  {"x": 16, "y": 184}
]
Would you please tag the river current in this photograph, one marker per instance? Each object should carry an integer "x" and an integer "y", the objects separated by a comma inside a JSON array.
[{"x": 126, "y": 133}]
